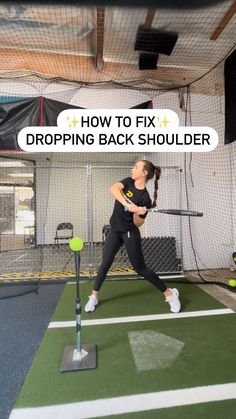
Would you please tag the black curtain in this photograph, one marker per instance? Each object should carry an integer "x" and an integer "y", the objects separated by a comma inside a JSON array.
[
  {"x": 13, "y": 117},
  {"x": 145, "y": 105},
  {"x": 51, "y": 110},
  {"x": 33, "y": 112},
  {"x": 230, "y": 98},
  {"x": 24, "y": 113}
]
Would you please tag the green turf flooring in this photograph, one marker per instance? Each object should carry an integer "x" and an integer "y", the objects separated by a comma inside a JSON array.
[
  {"x": 214, "y": 410},
  {"x": 208, "y": 356},
  {"x": 131, "y": 298}
]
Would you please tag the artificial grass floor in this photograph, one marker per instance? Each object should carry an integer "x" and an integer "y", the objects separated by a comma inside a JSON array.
[
  {"x": 214, "y": 410},
  {"x": 208, "y": 356},
  {"x": 131, "y": 298}
]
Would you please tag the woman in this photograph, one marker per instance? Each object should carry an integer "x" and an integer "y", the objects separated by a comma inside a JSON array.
[{"x": 125, "y": 220}]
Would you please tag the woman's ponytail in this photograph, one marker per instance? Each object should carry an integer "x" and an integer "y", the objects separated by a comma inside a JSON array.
[
  {"x": 151, "y": 171},
  {"x": 157, "y": 177}
]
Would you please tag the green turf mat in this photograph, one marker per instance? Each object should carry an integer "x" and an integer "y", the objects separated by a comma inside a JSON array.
[
  {"x": 216, "y": 410},
  {"x": 131, "y": 298},
  {"x": 208, "y": 357}
]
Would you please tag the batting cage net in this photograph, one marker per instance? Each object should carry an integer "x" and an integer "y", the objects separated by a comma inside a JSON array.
[{"x": 55, "y": 57}]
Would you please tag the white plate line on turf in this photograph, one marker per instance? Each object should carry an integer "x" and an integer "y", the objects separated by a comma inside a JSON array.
[
  {"x": 130, "y": 404},
  {"x": 131, "y": 319}
]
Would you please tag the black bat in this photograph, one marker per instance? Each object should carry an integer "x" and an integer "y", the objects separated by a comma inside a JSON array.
[{"x": 186, "y": 213}]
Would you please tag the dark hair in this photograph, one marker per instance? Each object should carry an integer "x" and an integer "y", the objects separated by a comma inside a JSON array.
[{"x": 151, "y": 171}]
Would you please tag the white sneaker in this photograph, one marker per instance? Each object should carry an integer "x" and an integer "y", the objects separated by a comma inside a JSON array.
[
  {"x": 173, "y": 300},
  {"x": 91, "y": 304}
]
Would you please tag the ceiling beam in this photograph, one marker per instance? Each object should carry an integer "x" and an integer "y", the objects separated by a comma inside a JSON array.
[
  {"x": 81, "y": 68},
  {"x": 100, "y": 37},
  {"x": 224, "y": 22}
]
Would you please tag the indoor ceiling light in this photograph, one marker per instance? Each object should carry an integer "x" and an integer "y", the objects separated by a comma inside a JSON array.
[
  {"x": 21, "y": 174},
  {"x": 9, "y": 163}
]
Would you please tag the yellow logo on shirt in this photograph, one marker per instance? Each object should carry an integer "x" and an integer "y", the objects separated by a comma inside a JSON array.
[{"x": 129, "y": 194}]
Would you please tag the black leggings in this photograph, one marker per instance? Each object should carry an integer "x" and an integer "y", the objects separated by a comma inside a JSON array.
[{"x": 132, "y": 242}]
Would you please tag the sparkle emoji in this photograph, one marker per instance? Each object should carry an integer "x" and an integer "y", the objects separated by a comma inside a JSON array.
[
  {"x": 162, "y": 123},
  {"x": 72, "y": 123}
]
